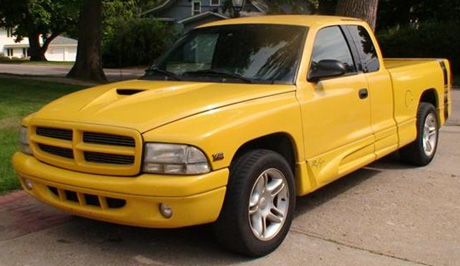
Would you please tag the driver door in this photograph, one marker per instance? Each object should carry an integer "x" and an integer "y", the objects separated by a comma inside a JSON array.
[{"x": 336, "y": 113}]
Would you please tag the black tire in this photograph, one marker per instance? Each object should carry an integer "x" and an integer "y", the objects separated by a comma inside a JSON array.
[
  {"x": 233, "y": 229},
  {"x": 415, "y": 153}
]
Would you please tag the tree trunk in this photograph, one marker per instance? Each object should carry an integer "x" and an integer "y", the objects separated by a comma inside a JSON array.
[
  {"x": 36, "y": 52},
  {"x": 88, "y": 65},
  {"x": 363, "y": 9}
]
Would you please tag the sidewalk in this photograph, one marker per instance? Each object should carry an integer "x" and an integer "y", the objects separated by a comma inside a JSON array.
[
  {"x": 60, "y": 71},
  {"x": 20, "y": 214}
]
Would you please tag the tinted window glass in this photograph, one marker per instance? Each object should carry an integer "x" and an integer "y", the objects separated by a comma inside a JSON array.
[
  {"x": 263, "y": 53},
  {"x": 331, "y": 44},
  {"x": 366, "y": 48}
]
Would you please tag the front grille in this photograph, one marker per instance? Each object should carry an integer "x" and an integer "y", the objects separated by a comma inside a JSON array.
[
  {"x": 87, "y": 148},
  {"x": 63, "y": 152},
  {"x": 97, "y": 157},
  {"x": 54, "y": 133},
  {"x": 106, "y": 139},
  {"x": 86, "y": 199}
]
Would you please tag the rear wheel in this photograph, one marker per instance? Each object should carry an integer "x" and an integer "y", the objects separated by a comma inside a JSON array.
[
  {"x": 259, "y": 204},
  {"x": 422, "y": 151}
]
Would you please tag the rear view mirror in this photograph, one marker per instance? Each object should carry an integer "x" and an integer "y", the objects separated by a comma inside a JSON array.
[{"x": 326, "y": 69}]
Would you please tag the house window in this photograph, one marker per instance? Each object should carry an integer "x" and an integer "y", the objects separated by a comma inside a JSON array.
[
  {"x": 9, "y": 32},
  {"x": 215, "y": 2},
  {"x": 9, "y": 51},
  {"x": 196, "y": 8},
  {"x": 24, "y": 52}
]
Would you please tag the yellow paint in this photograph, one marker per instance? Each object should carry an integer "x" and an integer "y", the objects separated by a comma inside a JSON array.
[{"x": 332, "y": 131}]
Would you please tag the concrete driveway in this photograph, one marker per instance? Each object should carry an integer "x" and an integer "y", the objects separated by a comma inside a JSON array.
[
  {"x": 384, "y": 214},
  {"x": 62, "y": 70}
]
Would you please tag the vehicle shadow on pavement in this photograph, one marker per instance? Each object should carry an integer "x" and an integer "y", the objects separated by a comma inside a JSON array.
[
  {"x": 187, "y": 246},
  {"x": 342, "y": 185},
  {"x": 330, "y": 191},
  {"x": 133, "y": 245}
]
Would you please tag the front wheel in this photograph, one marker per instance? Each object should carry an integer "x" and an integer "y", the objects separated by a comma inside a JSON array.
[
  {"x": 259, "y": 204},
  {"x": 421, "y": 152}
]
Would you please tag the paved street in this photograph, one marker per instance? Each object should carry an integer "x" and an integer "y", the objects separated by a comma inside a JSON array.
[
  {"x": 385, "y": 214},
  {"x": 62, "y": 70}
]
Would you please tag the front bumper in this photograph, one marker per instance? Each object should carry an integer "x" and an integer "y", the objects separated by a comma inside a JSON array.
[{"x": 126, "y": 200}]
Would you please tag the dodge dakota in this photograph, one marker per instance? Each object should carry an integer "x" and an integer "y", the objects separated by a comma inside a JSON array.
[{"x": 238, "y": 118}]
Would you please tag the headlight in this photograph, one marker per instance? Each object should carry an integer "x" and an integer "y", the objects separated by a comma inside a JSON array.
[
  {"x": 174, "y": 159},
  {"x": 24, "y": 141}
]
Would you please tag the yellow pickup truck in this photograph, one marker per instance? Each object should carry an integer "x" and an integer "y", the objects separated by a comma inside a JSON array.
[{"x": 229, "y": 126}]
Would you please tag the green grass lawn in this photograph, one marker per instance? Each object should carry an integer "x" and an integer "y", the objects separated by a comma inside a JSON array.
[{"x": 18, "y": 98}]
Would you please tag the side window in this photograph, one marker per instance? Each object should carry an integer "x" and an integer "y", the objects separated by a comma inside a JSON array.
[
  {"x": 366, "y": 48},
  {"x": 196, "y": 8},
  {"x": 331, "y": 44}
]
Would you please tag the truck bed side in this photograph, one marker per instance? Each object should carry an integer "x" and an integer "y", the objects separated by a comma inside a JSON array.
[{"x": 414, "y": 79}]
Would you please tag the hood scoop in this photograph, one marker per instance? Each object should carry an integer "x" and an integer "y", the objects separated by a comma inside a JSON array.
[{"x": 127, "y": 92}]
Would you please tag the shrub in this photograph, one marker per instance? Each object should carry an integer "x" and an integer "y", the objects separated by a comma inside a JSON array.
[
  {"x": 429, "y": 40},
  {"x": 4, "y": 58},
  {"x": 136, "y": 42}
]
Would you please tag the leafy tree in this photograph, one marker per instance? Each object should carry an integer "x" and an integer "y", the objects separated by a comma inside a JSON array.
[
  {"x": 37, "y": 19},
  {"x": 136, "y": 42},
  {"x": 399, "y": 13}
]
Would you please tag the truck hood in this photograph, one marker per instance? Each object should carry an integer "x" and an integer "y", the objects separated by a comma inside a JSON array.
[{"x": 145, "y": 105}]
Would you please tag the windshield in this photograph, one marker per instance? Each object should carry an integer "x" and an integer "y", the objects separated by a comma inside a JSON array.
[{"x": 251, "y": 53}]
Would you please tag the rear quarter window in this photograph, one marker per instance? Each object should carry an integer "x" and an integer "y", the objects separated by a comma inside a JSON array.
[{"x": 366, "y": 48}]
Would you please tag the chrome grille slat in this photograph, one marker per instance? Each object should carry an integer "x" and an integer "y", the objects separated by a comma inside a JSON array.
[
  {"x": 107, "y": 139},
  {"x": 107, "y": 158},
  {"x": 55, "y": 133},
  {"x": 63, "y": 152}
]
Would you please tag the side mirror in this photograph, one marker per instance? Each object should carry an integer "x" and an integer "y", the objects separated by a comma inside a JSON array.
[{"x": 326, "y": 69}]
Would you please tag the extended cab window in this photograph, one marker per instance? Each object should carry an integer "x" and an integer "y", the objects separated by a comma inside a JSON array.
[
  {"x": 366, "y": 48},
  {"x": 330, "y": 44}
]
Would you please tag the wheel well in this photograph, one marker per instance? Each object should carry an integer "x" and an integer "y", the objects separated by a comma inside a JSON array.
[
  {"x": 430, "y": 96},
  {"x": 278, "y": 142}
]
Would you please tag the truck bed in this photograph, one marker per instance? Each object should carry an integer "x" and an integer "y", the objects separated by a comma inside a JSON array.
[{"x": 391, "y": 63}]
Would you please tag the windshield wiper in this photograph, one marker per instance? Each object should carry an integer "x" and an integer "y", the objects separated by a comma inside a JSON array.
[
  {"x": 152, "y": 70},
  {"x": 222, "y": 74}
]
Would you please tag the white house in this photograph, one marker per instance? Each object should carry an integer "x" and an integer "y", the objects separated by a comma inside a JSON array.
[{"x": 60, "y": 49}]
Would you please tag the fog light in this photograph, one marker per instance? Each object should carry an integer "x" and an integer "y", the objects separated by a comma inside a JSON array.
[
  {"x": 28, "y": 184},
  {"x": 165, "y": 210}
]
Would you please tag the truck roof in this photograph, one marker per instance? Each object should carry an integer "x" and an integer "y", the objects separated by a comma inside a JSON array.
[{"x": 299, "y": 20}]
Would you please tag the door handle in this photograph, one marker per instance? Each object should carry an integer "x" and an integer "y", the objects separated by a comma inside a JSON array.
[{"x": 363, "y": 93}]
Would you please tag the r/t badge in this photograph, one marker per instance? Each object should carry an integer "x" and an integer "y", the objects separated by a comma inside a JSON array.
[{"x": 218, "y": 156}]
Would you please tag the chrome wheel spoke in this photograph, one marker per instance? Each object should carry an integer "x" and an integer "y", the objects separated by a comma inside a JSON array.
[
  {"x": 258, "y": 224},
  {"x": 428, "y": 146},
  {"x": 253, "y": 209},
  {"x": 275, "y": 187},
  {"x": 260, "y": 185},
  {"x": 264, "y": 226},
  {"x": 265, "y": 181},
  {"x": 275, "y": 215}
]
